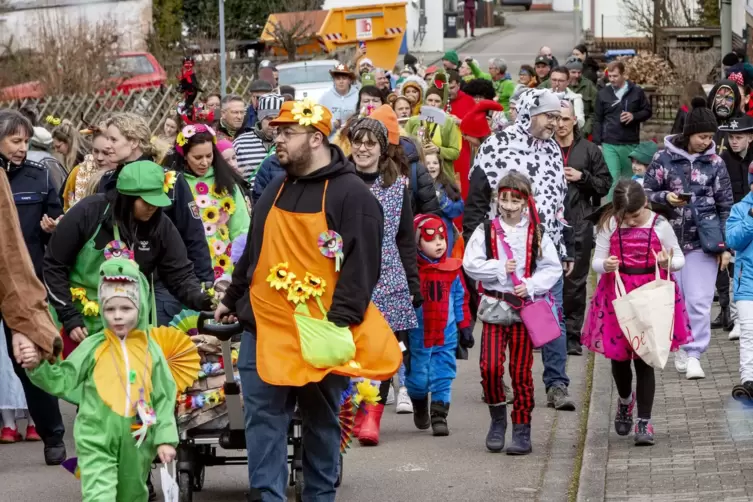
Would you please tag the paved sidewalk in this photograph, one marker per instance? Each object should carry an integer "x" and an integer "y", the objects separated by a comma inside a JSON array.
[{"x": 704, "y": 439}]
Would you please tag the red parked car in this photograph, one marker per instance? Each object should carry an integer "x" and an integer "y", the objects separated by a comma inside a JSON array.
[{"x": 129, "y": 71}]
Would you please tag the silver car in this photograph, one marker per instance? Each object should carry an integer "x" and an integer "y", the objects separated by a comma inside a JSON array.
[{"x": 311, "y": 79}]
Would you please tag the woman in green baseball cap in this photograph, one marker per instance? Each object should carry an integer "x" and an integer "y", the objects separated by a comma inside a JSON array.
[{"x": 128, "y": 221}]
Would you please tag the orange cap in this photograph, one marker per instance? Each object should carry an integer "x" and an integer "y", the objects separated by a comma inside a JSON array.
[
  {"x": 386, "y": 115},
  {"x": 305, "y": 113}
]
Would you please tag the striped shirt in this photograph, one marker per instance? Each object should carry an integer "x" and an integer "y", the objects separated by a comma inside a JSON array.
[{"x": 251, "y": 151}]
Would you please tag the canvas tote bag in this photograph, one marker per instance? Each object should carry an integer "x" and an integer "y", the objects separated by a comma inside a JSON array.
[{"x": 646, "y": 316}]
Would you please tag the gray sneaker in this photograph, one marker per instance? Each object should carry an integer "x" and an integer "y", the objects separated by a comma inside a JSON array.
[{"x": 558, "y": 398}]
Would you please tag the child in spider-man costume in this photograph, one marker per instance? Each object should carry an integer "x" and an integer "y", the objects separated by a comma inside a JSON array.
[{"x": 443, "y": 324}]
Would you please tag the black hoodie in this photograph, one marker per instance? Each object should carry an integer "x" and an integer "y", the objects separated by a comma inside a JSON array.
[
  {"x": 720, "y": 138},
  {"x": 185, "y": 216},
  {"x": 350, "y": 209},
  {"x": 737, "y": 167}
]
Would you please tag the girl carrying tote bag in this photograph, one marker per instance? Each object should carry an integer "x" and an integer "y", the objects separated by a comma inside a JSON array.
[{"x": 646, "y": 317}]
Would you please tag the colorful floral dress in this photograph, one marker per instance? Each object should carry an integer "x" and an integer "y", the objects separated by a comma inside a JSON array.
[
  {"x": 392, "y": 294},
  {"x": 225, "y": 217},
  {"x": 601, "y": 331}
]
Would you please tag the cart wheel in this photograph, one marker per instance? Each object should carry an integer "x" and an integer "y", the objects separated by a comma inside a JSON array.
[
  {"x": 339, "y": 473},
  {"x": 299, "y": 488},
  {"x": 198, "y": 479},
  {"x": 185, "y": 487}
]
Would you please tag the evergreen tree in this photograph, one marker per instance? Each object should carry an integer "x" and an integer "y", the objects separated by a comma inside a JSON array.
[
  {"x": 167, "y": 16},
  {"x": 708, "y": 13}
]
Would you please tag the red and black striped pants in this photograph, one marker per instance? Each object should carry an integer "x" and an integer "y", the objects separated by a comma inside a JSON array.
[{"x": 494, "y": 342}]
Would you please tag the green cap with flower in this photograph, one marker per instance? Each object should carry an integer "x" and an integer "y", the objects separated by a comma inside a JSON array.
[{"x": 144, "y": 179}]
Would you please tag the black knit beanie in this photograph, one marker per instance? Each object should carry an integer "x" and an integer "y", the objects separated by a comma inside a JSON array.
[{"x": 700, "y": 119}]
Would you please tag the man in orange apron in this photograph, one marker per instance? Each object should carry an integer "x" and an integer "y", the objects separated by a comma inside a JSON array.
[{"x": 312, "y": 261}]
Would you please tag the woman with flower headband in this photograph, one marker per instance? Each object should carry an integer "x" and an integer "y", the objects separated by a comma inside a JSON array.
[
  {"x": 130, "y": 141},
  {"x": 126, "y": 221},
  {"x": 219, "y": 193}
]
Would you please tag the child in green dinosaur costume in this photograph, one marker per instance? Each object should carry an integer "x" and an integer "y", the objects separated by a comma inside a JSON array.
[{"x": 127, "y": 394}]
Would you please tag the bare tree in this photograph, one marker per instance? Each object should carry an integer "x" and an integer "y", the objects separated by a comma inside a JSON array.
[
  {"x": 292, "y": 31},
  {"x": 702, "y": 66},
  {"x": 639, "y": 14}
]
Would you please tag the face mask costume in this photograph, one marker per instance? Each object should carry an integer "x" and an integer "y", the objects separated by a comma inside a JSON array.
[{"x": 724, "y": 100}]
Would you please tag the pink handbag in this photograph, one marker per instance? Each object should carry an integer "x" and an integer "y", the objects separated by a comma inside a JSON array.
[{"x": 540, "y": 316}]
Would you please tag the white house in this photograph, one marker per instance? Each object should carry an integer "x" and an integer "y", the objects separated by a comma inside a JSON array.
[
  {"x": 133, "y": 19},
  {"x": 425, "y": 21},
  {"x": 608, "y": 16}
]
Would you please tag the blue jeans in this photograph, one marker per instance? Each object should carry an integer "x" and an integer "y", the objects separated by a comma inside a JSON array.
[
  {"x": 268, "y": 410},
  {"x": 167, "y": 306},
  {"x": 431, "y": 369},
  {"x": 554, "y": 353}
]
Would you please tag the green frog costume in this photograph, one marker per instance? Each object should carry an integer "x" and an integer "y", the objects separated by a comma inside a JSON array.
[{"x": 127, "y": 395}]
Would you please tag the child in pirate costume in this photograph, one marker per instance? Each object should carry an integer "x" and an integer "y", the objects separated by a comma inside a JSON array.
[
  {"x": 444, "y": 322},
  {"x": 126, "y": 394},
  {"x": 516, "y": 232}
]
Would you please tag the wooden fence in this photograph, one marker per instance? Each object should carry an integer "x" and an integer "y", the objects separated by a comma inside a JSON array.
[{"x": 154, "y": 104}]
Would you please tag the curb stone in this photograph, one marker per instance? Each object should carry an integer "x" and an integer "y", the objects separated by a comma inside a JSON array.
[{"x": 594, "y": 470}]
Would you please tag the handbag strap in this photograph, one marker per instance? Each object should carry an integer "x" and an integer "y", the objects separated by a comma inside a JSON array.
[{"x": 506, "y": 247}]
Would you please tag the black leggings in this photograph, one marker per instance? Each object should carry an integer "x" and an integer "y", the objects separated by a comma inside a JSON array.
[
  {"x": 384, "y": 387},
  {"x": 645, "y": 384}
]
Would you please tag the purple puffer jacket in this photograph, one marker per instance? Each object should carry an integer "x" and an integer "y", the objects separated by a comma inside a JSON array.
[{"x": 707, "y": 179}]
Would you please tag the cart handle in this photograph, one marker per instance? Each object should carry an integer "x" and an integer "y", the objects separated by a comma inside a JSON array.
[{"x": 223, "y": 332}]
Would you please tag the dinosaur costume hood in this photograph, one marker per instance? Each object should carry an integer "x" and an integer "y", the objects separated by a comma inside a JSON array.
[{"x": 121, "y": 277}]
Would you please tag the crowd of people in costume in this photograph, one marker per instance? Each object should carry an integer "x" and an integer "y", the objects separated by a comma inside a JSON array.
[{"x": 361, "y": 238}]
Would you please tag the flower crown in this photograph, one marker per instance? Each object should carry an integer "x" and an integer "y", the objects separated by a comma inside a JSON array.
[{"x": 190, "y": 131}]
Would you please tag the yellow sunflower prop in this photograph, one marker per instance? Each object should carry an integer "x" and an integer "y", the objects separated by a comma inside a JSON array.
[{"x": 307, "y": 112}]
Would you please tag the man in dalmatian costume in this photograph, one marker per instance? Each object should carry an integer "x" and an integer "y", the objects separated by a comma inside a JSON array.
[{"x": 528, "y": 146}]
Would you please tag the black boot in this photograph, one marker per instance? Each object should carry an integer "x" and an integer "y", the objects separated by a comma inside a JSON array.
[
  {"x": 744, "y": 393},
  {"x": 439, "y": 412},
  {"x": 421, "y": 417},
  {"x": 727, "y": 322},
  {"x": 495, "y": 438},
  {"x": 574, "y": 348},
  {"x": 521, "y": 440},
  {"x": 54, "y": 452}
]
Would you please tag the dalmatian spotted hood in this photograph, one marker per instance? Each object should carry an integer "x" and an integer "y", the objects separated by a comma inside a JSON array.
[{"x": 514, "y": 149}]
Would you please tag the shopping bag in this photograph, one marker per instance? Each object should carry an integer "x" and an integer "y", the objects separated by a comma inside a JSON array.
[
  {"x": 646, "y": 317},
  {"x": 170, "y": 491}
]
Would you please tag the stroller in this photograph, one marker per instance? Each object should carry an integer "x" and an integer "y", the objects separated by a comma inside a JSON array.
[{"x": 198, "y": 447}]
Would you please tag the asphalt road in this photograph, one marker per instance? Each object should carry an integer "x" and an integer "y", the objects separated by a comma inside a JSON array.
[
  {"x": 520, "y": 43},
  {"x": 408, "y": 465}
]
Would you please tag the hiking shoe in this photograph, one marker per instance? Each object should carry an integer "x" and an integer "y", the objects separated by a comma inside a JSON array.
[
  {"x": 644, "y": 433},
  {"x": 623, "y": 419},
  {"x": 404, "y": 405},
  {"x": 495, "y": 438},
  {"x": 558, "y": 398}
]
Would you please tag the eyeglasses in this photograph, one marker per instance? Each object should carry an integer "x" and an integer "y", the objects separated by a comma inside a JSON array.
[
  {"x": 357, "y": 143},
  {"x": 287, "y": 133},
  {"x": 552, "y": 117}
]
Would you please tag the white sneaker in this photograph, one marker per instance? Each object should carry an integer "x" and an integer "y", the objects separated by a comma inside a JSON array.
[
  {"x": 694, "y": 370},
  {"x": 391, "y": 396},
  {"x": 681, "y": 361},
  {"x": 735, "y": 333},
  {"x": 404, "y": 404}
]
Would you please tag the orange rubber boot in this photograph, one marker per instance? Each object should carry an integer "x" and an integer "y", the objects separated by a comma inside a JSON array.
[{"x": 369, "y": 433}]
